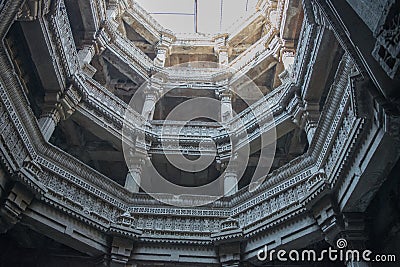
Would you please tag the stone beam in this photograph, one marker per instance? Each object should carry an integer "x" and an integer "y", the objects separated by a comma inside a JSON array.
[{"x": 66, "y": 229}]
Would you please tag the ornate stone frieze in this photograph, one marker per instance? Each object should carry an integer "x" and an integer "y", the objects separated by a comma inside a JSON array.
[{"x": 63, "y": 38}]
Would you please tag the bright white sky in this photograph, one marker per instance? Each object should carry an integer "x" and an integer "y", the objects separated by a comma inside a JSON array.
[{"x": 178, "y": 15}]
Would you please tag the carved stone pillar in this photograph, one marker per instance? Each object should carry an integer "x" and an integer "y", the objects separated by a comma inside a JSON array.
[
  {"x": 57, "y": 106},
  {"x": 230, "y": 181},
  {"x": 327, "y": 216},
  {"x": 221, "y": 50},
  {"x": 48, "y": 122},
  {"x": 32, "y": 9},
  {"x": 285, "y": 65},
  {"x": 162, "y": 49},
  {"x": 305, "y": 115},
  {"x": 50, "y": 116},
  {"x": 86, "y": 54},
  {"x": 151, "y": 97},
  {"x": 112, "y": 9},
  {"x": 287, "y": 59},
  {"x": 133, "y": 178},
  {"x": 161, "y": 56}
]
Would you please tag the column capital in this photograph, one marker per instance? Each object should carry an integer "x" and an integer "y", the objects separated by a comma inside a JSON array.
[
  {"x": 220, "y": 40},
  {"x": 224, "y": 92},
  {"x": 166, "y": 39},
  {"x": 221, "y": 48},
  {"x": 153, "y": 87}
]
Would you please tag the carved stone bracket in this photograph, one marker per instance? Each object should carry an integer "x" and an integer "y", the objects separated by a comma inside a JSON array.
[
  {"x": 221, "y": 49},
  {"x": 328, "y": 217},
  {"x": 228, "y": 241},
  {"x": 123, "y": 236},
  {"x": 15, "y": 204},
  {"x": 57, "y": 106},
  {"x": 163, "y": 48},
  {"x": 32, "y": 9}
]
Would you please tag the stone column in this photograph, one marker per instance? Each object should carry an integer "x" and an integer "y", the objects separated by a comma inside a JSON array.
[
  {"x": 149, "y": 105},
  {"x": 223, "y": 58},
  {"x": 288, "y": 59},
  {"x": 123, "y": 235},
  {"x": 133, "y": 178},
  {"x": 13, "y": 206},
  {"x": 161, "y": 56},
  {"x": 50, "y": 116},
  {"x": 221, "y": 49},
  {"x": 112, "y": 9},
  {"x": 48, "y": 122},
  {"x": 151, "y": 97},
  {"x": 121, "y": 249},
  {"x": 230, "y": 181}
]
